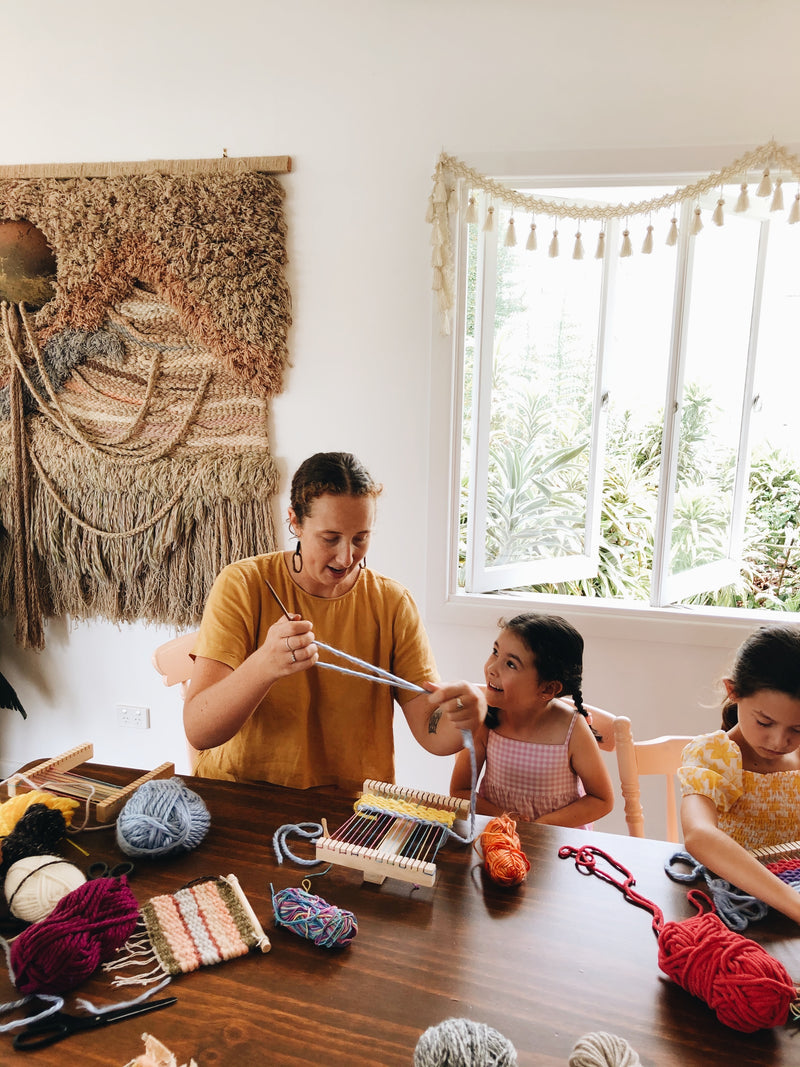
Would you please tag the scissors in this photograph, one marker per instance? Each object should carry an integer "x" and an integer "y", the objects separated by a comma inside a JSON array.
[
  {"x": 99, "y": 869},
  {"x": 59, "y": 1025}
]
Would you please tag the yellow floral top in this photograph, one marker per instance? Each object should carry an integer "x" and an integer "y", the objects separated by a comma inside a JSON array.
[{"x": 757, "y": 810}]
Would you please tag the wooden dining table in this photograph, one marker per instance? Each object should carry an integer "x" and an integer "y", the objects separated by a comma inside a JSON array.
[{"x": 560, "y": 956}]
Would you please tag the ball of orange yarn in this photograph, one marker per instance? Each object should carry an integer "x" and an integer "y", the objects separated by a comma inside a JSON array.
[{"x": 503, "y": 858}]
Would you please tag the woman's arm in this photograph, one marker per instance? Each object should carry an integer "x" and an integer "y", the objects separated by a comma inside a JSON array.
[
  {"x": 436, "y": 720},
  {"x": 220, "y": 699},
  {"x": 588, "y": 765},
  {"x": 712, "y": 847}
]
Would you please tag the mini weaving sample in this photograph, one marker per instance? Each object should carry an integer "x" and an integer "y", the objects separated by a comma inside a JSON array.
[
  {"x": 395, "y": 832},
  {"x": 788, "y": 870},
  {"x": 202, "y": 924}
]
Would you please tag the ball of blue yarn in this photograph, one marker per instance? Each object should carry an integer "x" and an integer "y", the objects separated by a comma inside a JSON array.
[{"x": 163, "y": 817}]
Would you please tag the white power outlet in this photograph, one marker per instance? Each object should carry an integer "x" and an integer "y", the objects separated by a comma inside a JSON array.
[{"x": 133, "y": 716}]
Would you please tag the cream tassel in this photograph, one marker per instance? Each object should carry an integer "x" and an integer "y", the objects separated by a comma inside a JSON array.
[
  {"x": 626, "y": 248},
  {"x": 452, "y": 202},
  {"x": 488, "y": 224},
  {"x": 577, "y": 252},
  {"x": 531, "y": 244},
  {"x": 440, "y": 192},
  {"x": 511, "y": 234},
  {"x": 719, "y": 215},
  {"x": 647, "y": 247},
  {"x": 777, "y": 196},
  {"x": 601, "y": 245},
  {"x": 672, "y": 236},
  {"x": 697, "y": 225},
  {"x": 794, "y": 214},
  {"x": 765, "y": 185},
  {"x": 471, "y": 216},
  {"x": 553, "y": 249},
  {"x": 743, "y": 203}
]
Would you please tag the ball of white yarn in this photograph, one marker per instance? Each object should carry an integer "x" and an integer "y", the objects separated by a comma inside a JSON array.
[
  {"x": 600, "y": 1049},
  {"x": 463, "y": 1043},
  {"x": 35, "y": 884}
]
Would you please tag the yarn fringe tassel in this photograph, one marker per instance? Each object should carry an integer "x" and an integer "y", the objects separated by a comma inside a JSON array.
[{"x": 93, "y": 545}]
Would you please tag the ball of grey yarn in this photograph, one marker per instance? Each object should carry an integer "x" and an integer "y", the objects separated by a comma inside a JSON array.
[
  {"x": 162, "y": 817},
  {"x": 463, "y": 1043},
  {"x": 600, "y": 1049}
]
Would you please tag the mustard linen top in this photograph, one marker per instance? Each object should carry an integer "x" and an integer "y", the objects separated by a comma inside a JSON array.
[
  {"x": 757, "y": 810},
  {"x": 317, "y": 727}
]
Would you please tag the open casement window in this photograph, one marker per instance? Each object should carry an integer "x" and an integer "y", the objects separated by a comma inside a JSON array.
[
  {"x": 537, "y": 425},
  {"x": 612, "y": 404},
  {"x": 694, "y": 550}
]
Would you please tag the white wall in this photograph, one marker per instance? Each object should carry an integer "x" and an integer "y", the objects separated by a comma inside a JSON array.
[{"x": 364, "y": 94}]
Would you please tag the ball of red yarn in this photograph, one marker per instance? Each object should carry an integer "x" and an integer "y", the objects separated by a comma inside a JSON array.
[
  {"x": 746, "y": 987},
  {"x": 503, "y": 858},
  {"x": 84, "y": 930}
]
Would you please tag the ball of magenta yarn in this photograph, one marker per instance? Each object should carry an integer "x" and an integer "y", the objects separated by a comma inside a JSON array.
[
  {"x": 163, "y": 817},
  {"x": 84, "y": 930},
  {"x": 747, "y": 988}
]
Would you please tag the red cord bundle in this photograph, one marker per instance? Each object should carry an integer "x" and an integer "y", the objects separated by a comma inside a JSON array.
[
  {"x": 503, "y": 858},
  {"x": 84, "y": 929},
  {"x": 747, "y": 988}
]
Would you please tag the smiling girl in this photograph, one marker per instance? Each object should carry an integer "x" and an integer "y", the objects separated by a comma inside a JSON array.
[
  {"x": 741, "y": 785},
  {"x": 540, "y": 759}
]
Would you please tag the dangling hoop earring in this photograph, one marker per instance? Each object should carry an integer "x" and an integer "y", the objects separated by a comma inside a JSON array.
[
  {"x": 362, "y": 564},
  {"x": 297, "y": 558}
]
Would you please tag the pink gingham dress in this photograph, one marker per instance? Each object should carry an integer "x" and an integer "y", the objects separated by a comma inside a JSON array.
[{"x": 529, "y": 779}]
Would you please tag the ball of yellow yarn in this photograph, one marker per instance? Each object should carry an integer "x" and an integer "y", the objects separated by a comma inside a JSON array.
[
  {"x": 12, "y": 810},
  {"x": 35, "y": 884}
]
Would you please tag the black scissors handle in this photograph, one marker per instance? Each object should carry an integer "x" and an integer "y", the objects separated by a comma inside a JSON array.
[
  {"x": 60, "y": 1024},
  {"x": 99, "y": 869}
]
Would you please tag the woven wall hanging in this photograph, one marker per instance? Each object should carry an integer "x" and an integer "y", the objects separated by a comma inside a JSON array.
[{"x": 145, "y": 316}]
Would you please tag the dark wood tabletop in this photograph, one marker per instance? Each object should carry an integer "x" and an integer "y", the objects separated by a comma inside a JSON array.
[{"x": 545, "y": 963}]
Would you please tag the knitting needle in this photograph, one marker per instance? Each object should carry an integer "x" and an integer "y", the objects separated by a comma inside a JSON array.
[{"x": 377, "y": 674}]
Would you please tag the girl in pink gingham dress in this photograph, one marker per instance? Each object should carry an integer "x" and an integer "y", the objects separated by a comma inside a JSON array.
[{"x": 539, "y": 757}]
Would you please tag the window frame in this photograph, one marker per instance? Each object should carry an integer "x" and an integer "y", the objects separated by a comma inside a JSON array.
[{"x": 447, "y": 603}]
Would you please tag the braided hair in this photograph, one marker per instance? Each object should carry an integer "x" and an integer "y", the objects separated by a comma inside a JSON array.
[{"x": 557, "y": 649}]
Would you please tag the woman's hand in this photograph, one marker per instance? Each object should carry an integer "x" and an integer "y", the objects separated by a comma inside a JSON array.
[
  {"x": 463, "y": 703},
  {"x": 288, "y": 648}
]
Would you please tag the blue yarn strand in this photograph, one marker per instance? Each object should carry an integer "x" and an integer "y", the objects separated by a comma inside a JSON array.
[{"x": 736, "y": 908}]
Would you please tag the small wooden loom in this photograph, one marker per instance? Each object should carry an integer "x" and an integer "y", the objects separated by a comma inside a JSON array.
[
  {"x": 105, "y": 801},
  {"x": 383, "y": 841},
  {"x": 783, "y": 860}
]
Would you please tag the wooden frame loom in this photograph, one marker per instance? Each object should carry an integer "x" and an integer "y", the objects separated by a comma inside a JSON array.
[
  {"x": 384, "y": 841},
  {"x": 105, "y": 801}
]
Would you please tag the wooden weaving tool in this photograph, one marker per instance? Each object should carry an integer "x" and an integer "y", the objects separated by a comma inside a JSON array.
[
  {"x": 385, "y": 839},
  {"x": 105, "y": 801}
]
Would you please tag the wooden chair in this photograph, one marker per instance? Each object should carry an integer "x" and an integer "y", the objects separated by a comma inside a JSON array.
[
  {"x": 661, "y": 755},
  {"x": 174, "y": 664}
]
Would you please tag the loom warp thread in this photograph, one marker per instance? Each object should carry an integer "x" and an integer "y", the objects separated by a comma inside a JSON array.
[
  {"x": 313, "y": 918},
  {"x": 747, "y": 988},
  {"x": 463, "y": 1043},
  {"x": 503, "y": 858},
  {"x": 162, "y": 818}
]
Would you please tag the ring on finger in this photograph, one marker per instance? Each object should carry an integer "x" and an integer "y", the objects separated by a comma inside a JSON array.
[
  {"x": 288, "y": 646},
  {"x": 459, "y": 704},
  {"x": 294, "y": 658}
]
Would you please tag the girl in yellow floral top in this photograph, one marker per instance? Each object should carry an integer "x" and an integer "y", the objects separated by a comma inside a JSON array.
[{"x": 741, "y": 785}]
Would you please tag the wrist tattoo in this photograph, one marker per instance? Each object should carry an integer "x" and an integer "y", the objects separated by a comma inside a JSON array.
[{"x": 433, "y": 721}]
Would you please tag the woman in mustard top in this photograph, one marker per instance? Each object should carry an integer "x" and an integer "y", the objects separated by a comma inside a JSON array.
[{"x": 258, "y": 706}]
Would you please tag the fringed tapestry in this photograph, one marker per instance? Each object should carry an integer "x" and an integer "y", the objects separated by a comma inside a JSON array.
[{"x": 144, "y": 331}]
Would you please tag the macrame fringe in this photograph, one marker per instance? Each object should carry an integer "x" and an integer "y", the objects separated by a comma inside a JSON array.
[{"x": 222, "y": 165}]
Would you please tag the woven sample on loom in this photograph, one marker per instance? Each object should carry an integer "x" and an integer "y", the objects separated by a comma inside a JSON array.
[
  {"x": 788, "y": 870},
  {"x": 200, "y": 925}
]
